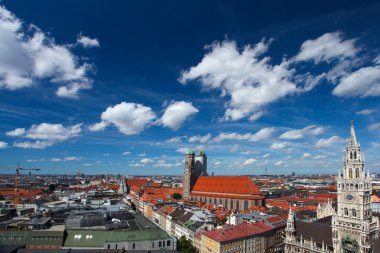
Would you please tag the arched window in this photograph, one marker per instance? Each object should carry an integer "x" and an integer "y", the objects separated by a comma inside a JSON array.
[
  {"x": 345, "y": 211},
  {"x": 350, "y": 173},
  {"x": 353, "y": 213},
  {"x": 350, "y": 155},
  {"x": 355, "y": 155},
  {"x": 343, "y": 186},
  {"x": 357, "y": 173}
]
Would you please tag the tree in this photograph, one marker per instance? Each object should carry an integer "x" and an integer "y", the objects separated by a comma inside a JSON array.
[
  {"x": 52, "y": 187},
  {"x": 185, "y": 246},
  {"x": 176, "y": 195}
]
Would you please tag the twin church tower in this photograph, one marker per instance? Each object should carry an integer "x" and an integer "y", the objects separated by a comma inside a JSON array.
[{"x": 195, "y": 166}]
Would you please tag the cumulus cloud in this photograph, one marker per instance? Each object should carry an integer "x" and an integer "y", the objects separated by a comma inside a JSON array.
[
  {"x": 374, "y": 126},
  {"x": 146, "y": 160},
  {"x": 279, "y": 163},
  {"x": 279, "y": 145},
  {"x": 327, "y": 47},
  {"x": 16, "y": 132},
  {"x": 87, "y": 42},
  {"x": 244, "y": 75},
  {"x": 28, "y": 55},
  {"x": 177, "y": 113},
  {"x": 128, "y": 118},
  {"x": 322, "y": 143},
  {"x": 365, "y": 112},
  {"x": 364, "y": 82},
  {"x": 174, "y": 139},
  {"x": 72, "y": 90},
  {"x": 262, "y": 134},
  {"x": 199, "y": 138},
  {"x": 46, "y": 135},
  {"x": 66, "y": 159},
  {"x": 166, "y": 165},
  {"x": 306, "y": 155},
  {"x": 33, "y": 145},
  {"x": 3, "y": 144},
  {"x": 249, "y": 161},
  {"x": 300, "y": 133}
]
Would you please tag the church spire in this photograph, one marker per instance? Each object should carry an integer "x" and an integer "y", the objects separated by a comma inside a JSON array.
[{"x": 353, "y": 142}]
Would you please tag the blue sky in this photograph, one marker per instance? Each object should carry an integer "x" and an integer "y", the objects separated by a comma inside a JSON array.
[{"x": 127, "y": 86}]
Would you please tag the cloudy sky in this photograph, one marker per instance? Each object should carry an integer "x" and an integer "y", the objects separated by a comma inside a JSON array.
[{"x": 127, "y": 87}]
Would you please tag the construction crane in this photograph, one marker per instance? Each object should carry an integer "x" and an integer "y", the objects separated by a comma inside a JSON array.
[
  {"x": 17, "y": 178},
  {"x": 17, "y": 182}
]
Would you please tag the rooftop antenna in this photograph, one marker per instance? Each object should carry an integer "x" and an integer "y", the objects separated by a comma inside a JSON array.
[{"x": 266, "y": 171}]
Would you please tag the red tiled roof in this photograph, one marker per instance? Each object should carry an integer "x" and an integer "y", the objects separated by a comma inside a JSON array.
[
  {"x": 136, "y": 181},
  {"x": 226, "y": 184},
  {"x": 243, "y": 230}
]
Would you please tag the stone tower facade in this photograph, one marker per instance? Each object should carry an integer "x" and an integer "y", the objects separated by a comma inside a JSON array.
[
  {"x": 354, "y": 229},
  {"x": 201, "y": 164},
  {"x": 189, "y": 174}
]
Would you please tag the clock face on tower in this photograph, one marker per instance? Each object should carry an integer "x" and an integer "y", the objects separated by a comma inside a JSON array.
[
  {"x": 349, "y": 197},
  {"x": 186, "y": 171}
]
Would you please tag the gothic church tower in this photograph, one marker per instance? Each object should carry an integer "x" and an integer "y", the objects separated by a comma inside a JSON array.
[
  {"x": 189, "y": 174},
  {"x": 354, "y": 228}
]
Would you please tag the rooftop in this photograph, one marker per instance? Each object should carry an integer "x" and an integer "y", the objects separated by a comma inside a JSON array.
[{"x": 242, "y": 185}]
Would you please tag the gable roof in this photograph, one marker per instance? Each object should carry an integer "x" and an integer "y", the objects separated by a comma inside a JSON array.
[
  {"x": 244, "y": 230},
  {"x": 241, "y": 185}
]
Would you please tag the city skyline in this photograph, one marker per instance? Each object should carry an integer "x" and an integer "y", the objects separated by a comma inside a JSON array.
[{"x": 129, "y": 87}]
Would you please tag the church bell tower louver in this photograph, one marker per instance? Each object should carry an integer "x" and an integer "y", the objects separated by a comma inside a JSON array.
[{"x": 354, "y": 229}]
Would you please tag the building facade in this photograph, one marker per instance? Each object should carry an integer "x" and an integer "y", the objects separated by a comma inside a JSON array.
[
  {"x": 231, "y": 192},
  {"x": 352, "y": 228}
]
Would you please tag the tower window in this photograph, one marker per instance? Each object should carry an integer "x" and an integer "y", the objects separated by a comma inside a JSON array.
[
  {"x": 350, "y": 173},
  {"x": 350, "y": 155},
  {"x": 353, "y": 213},
  {"x": 345, "y": 211},
  {"x": 357, "y": 173},
  {"x": 355, "y": 155}
]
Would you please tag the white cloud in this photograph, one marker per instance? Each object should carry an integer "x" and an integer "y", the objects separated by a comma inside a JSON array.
[
  {"x": 129, "y": 118},
  {"x": 182, "y": 150},
  {"x": 300, "y": 133},
  {"x": 199, "y": 138},
  {"x": 72, "y": 90},
  {"x": 327, "y": 47},
  {"x": 52, "y": 132},
  {"x": 364, "y": 82},
  {"x": 306, "y": 155},
  {"x": 266, "y": 155},
  {"x": 279, "y": 163},
  {"x": 33, "y": 145},
  {"x": 279, "y": 145},
  {"x": 166, "y": 165},
  {"x": 16, "y": 132},
  {"x": 142, "y": 154},
  {"x": 249, "y": 79},
  {"x": 365, "y": 112},
  {"x": 127, "y": 153},
  {"x": 175, "y": 139},
  {"x": 249, "y": 161},
  {"x": 262, "y": 134},
  {"x": 176, "y": 114},
  {"x": 3, "y": 144},
  {"x": 374, "y": 126},
  {"x": 27, "y": 55},
  {"x": 146, "y": 160},
  {"x": 328, "y": 142},
  {"x": 87, "y": 42},
  {"x": 320, "y": 156},
  {"x": 46, "y": 135}
]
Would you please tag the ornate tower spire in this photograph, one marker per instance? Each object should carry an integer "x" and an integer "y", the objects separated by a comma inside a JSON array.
[{"x": 353, "y": 142}]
